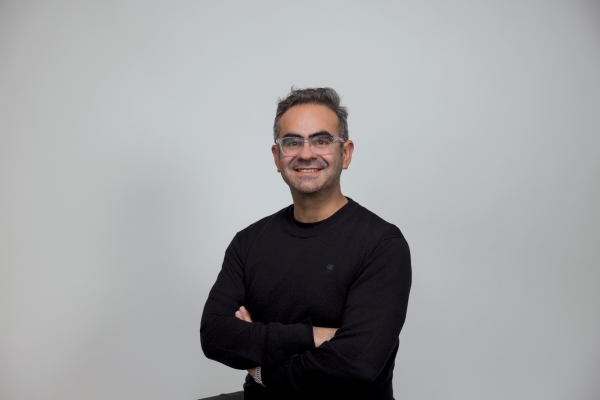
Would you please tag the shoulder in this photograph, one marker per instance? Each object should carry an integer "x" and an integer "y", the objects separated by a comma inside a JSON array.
[
  {"x": 248, "y": 235},
  {"x": 373, "y": 226},
  {"x": 384, "y": 248}
]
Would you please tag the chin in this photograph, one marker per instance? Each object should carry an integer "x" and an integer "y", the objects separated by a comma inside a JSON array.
[{"x": 306, "y": 189}]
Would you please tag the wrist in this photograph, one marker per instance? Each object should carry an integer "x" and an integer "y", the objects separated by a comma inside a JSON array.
[{"x": 258, "y": 376}]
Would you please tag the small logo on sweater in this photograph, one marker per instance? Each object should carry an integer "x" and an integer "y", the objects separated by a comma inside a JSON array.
[{"x": 329, "y": 267}]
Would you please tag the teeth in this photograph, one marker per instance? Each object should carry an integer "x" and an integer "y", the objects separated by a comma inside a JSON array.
[{"x": 308, "y": 170}]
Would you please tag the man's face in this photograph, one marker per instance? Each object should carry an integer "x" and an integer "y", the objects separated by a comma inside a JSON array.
[{"x": 307, "y": 172}]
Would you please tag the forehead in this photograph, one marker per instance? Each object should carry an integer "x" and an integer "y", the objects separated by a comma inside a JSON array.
[{"x": 305, "y": 119}]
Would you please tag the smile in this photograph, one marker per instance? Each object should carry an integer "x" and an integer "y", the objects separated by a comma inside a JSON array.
[{"x": 307, "y": 169}]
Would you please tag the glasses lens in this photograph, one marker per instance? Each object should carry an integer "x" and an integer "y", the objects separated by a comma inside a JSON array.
[
  {"x": 291, "y": 145},
  {"x": 322, "y": 144}
]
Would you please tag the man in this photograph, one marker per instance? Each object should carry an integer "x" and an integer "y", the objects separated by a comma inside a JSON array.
[{"x": 311, "y": 299}]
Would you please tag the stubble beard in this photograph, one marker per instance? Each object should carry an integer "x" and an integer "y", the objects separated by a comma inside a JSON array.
[{"x": 310, "y": 185}]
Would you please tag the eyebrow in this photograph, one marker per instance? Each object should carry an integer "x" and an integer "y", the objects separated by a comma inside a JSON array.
[{"x": 320, "y": 133}]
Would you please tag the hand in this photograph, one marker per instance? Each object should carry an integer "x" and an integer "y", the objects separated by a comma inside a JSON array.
[
  {"x": 243, "y": 314},
  {"x": 322, "y": 335}
]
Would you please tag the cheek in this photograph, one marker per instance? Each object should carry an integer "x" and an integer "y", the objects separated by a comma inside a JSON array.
[{"x": 334, "y": 161}]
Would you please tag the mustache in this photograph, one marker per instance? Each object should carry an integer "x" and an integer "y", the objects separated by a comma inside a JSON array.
[{"x": 308, "y": 164}]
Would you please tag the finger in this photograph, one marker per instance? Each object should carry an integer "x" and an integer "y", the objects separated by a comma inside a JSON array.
[
  {"x": 246, "y": 316},
  {"x": 246, "y": 313},
  {"x": 239, "y": 315}
]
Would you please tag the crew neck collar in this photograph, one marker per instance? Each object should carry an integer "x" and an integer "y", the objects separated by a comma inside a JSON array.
[{"x": 304, "y": 229}]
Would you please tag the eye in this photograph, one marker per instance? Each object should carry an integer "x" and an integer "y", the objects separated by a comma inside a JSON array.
[
  {"x": 292, "y": 142},
  {"x": 322, "y": 141}
]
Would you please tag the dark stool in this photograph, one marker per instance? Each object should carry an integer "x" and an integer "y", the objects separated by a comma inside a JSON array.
[{"x": 227, "y": 396}]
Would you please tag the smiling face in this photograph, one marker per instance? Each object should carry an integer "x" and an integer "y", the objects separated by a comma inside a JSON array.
[{"x": 308, "y": 173}]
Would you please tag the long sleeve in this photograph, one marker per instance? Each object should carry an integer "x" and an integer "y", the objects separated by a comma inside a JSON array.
[
  {"x": 374, "y": 314},
  {"x": 239, "y": 344}
]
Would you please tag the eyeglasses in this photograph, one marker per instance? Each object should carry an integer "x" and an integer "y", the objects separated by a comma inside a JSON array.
[{"x": 320, "y": 145}]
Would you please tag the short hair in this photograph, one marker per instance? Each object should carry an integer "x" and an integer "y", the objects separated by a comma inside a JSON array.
[{"x": 325, "y": 96}]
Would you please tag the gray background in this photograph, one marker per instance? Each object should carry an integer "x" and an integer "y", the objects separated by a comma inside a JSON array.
[{"x": 135, "y": 142}]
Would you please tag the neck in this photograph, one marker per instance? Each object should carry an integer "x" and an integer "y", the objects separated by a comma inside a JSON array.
[{"x": 315, "y": 207}]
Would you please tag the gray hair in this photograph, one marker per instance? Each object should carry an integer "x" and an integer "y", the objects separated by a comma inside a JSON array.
[{"x": 325, "y": 96}]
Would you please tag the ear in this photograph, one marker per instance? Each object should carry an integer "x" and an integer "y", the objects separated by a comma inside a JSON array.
[
  {"x": 347, "y": 153},
  {"x": 275, "y": 151}
]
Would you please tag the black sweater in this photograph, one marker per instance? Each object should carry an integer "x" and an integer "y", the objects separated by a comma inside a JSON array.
[{"x": 351, "y": 271}]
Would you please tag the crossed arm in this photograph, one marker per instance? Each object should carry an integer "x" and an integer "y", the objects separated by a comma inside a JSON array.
[
  {"x": 320, "y": 335},
  {"x": 289, "y": 357}
]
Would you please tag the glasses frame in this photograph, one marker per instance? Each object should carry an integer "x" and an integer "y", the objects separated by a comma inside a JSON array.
[{"x": 307, "y": 140}]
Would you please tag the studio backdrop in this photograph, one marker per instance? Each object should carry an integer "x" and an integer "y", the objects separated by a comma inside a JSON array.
[{"x": 135, "y": 142}]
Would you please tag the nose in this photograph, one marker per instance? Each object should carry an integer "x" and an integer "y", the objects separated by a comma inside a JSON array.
[{"x": 306, "y": 152}]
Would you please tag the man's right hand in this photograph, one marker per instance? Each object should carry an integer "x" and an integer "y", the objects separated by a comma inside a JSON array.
[
  {"x": 243, "y": 314},
  {"x": 320, "y": 335}
]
